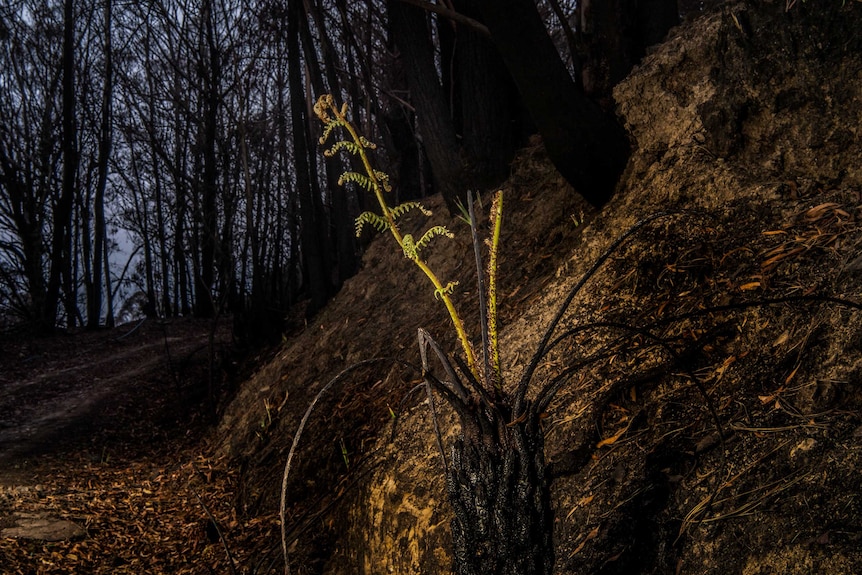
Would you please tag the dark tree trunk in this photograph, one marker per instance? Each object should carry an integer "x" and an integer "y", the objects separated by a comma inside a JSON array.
[
  {"x": 313, "y": 226},
  {"x": 410, "y": 32},
  {"x": 411, "y": 175},
  {"x": 613, "y": 37},
  {"x": 500, "y": 494},
  {"x": 211, "y": 74},
  {"x": 94, "y": 302},
  {"x": 157, "y": 186},
  {"x": 180, "y": 165},
  {"x": 347, "y": 262},
  {"x": 28, "y": 226},
  {"x": 109, "y": 294},
  {"x": 484, "y": 100},
  {"x": 62, "y": 216},
  {"x": 587, "y": 146}
]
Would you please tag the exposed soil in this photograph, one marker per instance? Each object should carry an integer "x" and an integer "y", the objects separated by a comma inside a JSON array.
[{"x": 113, "y": 387}]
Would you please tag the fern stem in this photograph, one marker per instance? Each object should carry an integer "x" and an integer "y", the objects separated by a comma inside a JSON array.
[
  {"x": 494, "y": 334},
  {"x": 378, "y": 189},
  {"x": 375, "y": 181},
  {"x": 453, "y": 314}
]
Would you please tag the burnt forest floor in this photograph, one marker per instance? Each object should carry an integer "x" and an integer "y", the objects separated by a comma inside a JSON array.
[{"x": 106, "y": 430}]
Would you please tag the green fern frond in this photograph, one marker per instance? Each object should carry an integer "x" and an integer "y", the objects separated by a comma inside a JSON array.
[
  {"x": 379, "y": 222},
  {"x": 445, "y": 290},
  {"x": 377, "y": 182},
  {"x": 409, "y": 247},
  {"x": 431, "y": 234},
  {"x": 357, "y": 178},
  {"x": 328, "y": 128},
  {"x": 342, "y": 145},
  {"x": 402, "y": 209}
]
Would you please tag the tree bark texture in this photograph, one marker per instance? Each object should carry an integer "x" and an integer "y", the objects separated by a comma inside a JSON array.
[
  {"x": 500, "y": 494},
  {"x": 211, "y": 76},
  {"x": 613, "y": 37},
  {"x": 94, "y": 302},
  {"x": 484, "y": 100}
]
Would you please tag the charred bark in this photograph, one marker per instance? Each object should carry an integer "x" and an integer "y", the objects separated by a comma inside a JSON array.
[
  {"x": 613, "y": 37},
  {"x": 314, "y": 224},
  {"x": 486, "y": 108},
  {"x": 500, "y": 494},
  {"x": 62, "y": 216},
  {"x": 208, "y": 186}
]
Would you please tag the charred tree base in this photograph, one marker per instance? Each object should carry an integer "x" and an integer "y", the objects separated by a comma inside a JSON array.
[{"x": 499, "y": 491}]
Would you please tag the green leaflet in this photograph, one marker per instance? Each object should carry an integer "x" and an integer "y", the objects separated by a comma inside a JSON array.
[
  {"x": 431, "y": 234},
  {"x": 357, "y": 178},
  {"x": 341, "y": 145},
  {"x": 402, "y": 209},
  {"x": 328, "y": 127},
  {"x": 379, "y": 222}
]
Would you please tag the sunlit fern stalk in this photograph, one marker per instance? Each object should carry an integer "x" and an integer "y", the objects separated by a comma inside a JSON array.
[
  {"x": 496, "y": 481},
  {"x": 377, "y": 182}
]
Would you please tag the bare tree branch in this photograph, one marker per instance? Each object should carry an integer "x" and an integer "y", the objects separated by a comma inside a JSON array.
[{"x": 451, "y": 15}]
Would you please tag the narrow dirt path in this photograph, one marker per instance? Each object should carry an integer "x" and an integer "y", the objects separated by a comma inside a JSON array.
[
  {"x": 83, "y": 391},
  {"x": 100, "y": 439}
]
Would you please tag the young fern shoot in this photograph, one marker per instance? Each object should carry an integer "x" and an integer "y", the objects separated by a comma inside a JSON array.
[{"x": 377, "y": 182}]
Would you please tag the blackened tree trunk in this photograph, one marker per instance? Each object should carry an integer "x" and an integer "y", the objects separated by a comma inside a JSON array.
[
  {"x": 109, "y": 294},
  {"x": 180, "y": 165},
  {"x": 208, "y": 188},
  {"x": 484, "y": 100},
  {"x": 312, "y": 221},
  {"x": 587, "y": 146},
  {"x": 410, "y": 32},
  {"x": 500, "y": 496},
  {"x": 94, "y": 300},
  {"x": 28, "y": 219},
  {"x": 60, "y": 257},
  {"x": 613, "y": 35},
  {"x": 344, "y": 241}
]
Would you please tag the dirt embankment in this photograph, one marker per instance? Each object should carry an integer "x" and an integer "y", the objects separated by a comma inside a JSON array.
[{"x": 717, "y": 439}]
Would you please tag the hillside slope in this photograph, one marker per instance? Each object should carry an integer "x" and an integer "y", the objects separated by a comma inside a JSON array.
[{"x": 740, "y": 456}]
